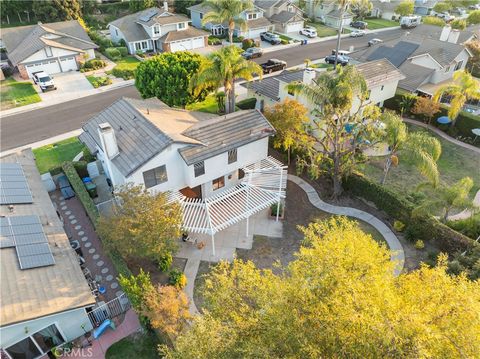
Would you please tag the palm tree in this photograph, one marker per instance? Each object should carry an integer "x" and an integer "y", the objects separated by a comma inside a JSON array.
[
  {"x": 464, "y": 88},
  {"x": 227, "y": 11},
  {"x": 447, "y": 198},
  {"x": 419, "y": 147},
  {"x": 223, "y": 68}
]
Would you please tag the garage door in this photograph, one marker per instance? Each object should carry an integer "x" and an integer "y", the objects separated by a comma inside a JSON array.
[
  {"x": 181, "y": 45},
  {"x": 295, "y": 26},
  {"x": 49, "y": 66},
  {"x": 68, "y": 64},
  {"x": 198, "y": 42},
  {"x": 255, "y": 33}
]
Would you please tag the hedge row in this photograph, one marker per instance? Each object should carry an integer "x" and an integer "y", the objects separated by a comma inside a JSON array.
[
  {"x": 92, "y": 212},
  {"x": 247, "y": 104},
  {"x": 463, "y": 127},
  {"x": 418, "y": 227}
]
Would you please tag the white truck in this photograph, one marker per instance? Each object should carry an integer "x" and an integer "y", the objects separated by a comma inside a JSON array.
[
  {"x": 44, "y": 80},
  {"x": 408, "y": 22}
]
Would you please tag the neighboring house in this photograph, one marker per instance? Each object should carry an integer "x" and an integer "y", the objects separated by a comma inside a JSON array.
[
  {"x": 284, "y": 14},
  {"x": 446, "y": 32},
  {"x": 53, "y": 48},
  {"x": 424, "y": 7},
  {"x": 381, "y": 76},
  {"x": 145, "y": 142},
  {"x": 44, "y": 293},
  {"x": 328, "y": 12},
  {"x": 256, "y": 22},
  {"x": 427, "y": 63},
  {"x": 157, "y": 30},
  {"x": 385, "y": 9}
]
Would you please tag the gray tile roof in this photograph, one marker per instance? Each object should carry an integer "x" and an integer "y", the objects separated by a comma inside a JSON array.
[
  {"x": 22, "y": 42},
  {"x": 284, "y": 17},
  {"x": 257, "y": 23},
  {"x": 433, "y": 32},
  {"x": 156, "y": 15},
  {"x": 224, "y": 133},
  {"x": 415, "y": 76},
  {"x": 184, "y": 34},
  {"x": 443, "y": 52},
  {"x": 200, "y": 8},
  {"x": 385, "y": 5},
  {"x": 396, "y": 54},
  {"x": 138, "y": 139},
  {"x": 266, "y": 4},
  {"x": 130, "y": 29},
  {"x": 379, "y": 71},
  {"x": 270, "y": 86}
]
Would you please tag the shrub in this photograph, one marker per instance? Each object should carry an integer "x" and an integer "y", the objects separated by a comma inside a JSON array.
[
  {"x": 220, "y": 97},
  {"x": 213, "y": 40},
  {"x": 100, "y": 40},
  {"x": 93, "y": 64},
  {"x": 433, "y": 20},
  {"x": 100, "y": 81},
  {"x": 273, "y": 209},
  {"x": 123, "y": 72},
  {"x": 113, "y": 53},
  {"x": 123, "y": 50},
  {"x": 165, "y": 262},
  {"x": 284, "y": 41},
  {"x": 238, "y": 39},
  {"x": 81, "y": 168},
  {"x": 419, "y": 244},
  {"x": 248, "y": 43},
  {"x": 177, "y": 278},
  {"x": 469, "y": 227},
  {"x": 247, "y": 104},
  {"x": 398, "y": 226},
  {"x": 7, "y": 71}
]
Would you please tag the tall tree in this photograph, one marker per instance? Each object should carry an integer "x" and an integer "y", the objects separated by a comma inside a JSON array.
[
  {"x": 448, "y": 198},
  {"x": 138, "y": 5},
  {"x": 464, "y": 88},
  {"x": 227, "y": 11},
  {"x": 167, "y": 77},
  {"x": 405, "y": 8},
  {"x": 342, "y": 6},
  {"x": 338, "y": 131},
  {"x": 289, "y": 118},
  {"x": 57, "y": 10},
  {"x": 337, "y": 299},
  {"x": 181, "y": 6},
  {"x": 474, "y": 62},
  {"x": 406, "y": 103},
  {"x": 442, "y": 6},
  {"x": 426, "y": 107},
  {"x": 361, "y": 8},
  {"x": 11, "y": 9},
  {"x": 419, "y": 148},
  {"x": 459, "y": 24},
  {"x": 223, "y": 68},
  {"x": 145, "y": 225}
]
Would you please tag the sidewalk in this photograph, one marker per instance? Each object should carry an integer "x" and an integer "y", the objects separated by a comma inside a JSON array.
[{"x": 60, "y": 99}]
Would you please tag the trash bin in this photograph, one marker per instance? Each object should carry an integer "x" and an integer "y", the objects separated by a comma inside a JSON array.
[
  {"x": 91, "y": 189},
  {"x": 86, "y": 179}
]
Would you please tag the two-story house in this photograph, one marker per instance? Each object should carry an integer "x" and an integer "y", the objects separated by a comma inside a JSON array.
[
  {"x": 381, "y": 77},
  {"x": 284, "y": 14},
  {"x": 328, "y": 12},
  {"x": 427, "y": 63},
  {"x": 256, "y": 22},
  {"x": 157, "y": 30},
  {"x": 385, "y": 9}
]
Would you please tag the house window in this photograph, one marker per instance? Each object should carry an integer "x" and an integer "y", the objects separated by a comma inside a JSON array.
[
  {"x": 381, "y": 88},
  {"x": 116, "y": 32},
  {"x": 144, "y": 45},
  {"x": 447, "y": 69},
  {"x": 37, "y": 344},
  {"x": 232, "y": 156},
  {"x": 199, "y": 168},
  {"x": 155, "y": 176},
  {"x": 458, "y": 66},
  {"x": 241, "y": 173},
  {"x": 290, "y": 92},
  {"x": 48, "y": 51},
  {"x": 138, "y": 46},
  {"x": 201, "y": 16},
  {"x": 218, "y": 183},
  {"x": 156, "y": 29},
  {"x": 181, "y": 26},
  {"x": 252, "y": 16}
]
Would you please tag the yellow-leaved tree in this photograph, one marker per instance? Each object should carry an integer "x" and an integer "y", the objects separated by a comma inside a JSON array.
[{"x": 337, "y": 299}]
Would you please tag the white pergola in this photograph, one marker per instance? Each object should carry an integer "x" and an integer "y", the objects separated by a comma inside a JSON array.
[{"x": 264, "y": 184}]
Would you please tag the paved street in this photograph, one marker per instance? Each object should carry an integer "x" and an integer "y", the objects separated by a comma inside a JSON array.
[
  {"x": 28, "y": 127},
  {"x": 36, "y": 125}
]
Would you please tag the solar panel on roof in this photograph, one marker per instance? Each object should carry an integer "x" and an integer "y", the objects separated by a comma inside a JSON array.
[
  {"x": 148, "y": 15},
  {"x": 13, "y": 185},
  {"x": 396, "y": 54},
  {"x": 25, "y": 233}
]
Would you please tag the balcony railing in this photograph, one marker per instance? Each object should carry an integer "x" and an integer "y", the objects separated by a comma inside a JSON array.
[{"x": 109, "y": 310}]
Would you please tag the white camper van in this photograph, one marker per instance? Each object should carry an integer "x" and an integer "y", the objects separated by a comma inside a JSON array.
[{"x": 408, "y": 22}]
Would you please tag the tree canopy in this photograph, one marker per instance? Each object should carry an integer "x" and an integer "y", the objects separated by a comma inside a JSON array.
[
  {"x": 167, "y": 77},
  {"x": 181, "y": 6},
  {"x": 361, "y": 8},
  {"x": 138, "y": 5},
  {"x": 145, "y": 225},
  {"x": 442, "y": 6},
  {"x": 57, "y": 10},
  {"x": 338, "y": 298},
  {"x": 474, "y": 17},
  {"x": 405, "y": 8}
]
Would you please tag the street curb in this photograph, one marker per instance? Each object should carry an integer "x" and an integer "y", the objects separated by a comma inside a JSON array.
[{"x": 36, "y": 106}]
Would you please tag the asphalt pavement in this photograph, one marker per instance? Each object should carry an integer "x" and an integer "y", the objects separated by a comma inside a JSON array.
[{"x": 36, "y": 125}]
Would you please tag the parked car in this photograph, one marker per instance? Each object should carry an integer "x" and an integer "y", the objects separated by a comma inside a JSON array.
[
  {"x": 344, "y": 53},
  {"x": 374, "y": 42},
  {"x": 342, "y": 60},
  {"x": 359, "y": 25},
  {"x": 270, "y": 37},
  {"x": 474, "y": 7},
  {"x": 309, "y": 32},
  {"x": 357, "y": 33},
  {"x": 445, "y": 16},
  {"x": 44, "y": 80},
  {"x": 273, "y": 65},
  {"x": 252, "y": 53}
]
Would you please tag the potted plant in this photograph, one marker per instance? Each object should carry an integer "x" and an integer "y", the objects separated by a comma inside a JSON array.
[{"x": 277, "y": 207}]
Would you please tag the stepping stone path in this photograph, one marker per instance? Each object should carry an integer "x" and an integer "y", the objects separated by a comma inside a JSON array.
[
  {"x": 73, "y": 221},
  {"x": 114, "y": 285},
  {"x": 84, "y": 239},
  {"x": 109, "y": 278},
  {"x": 78, "y": 227},
  {"x": 71, "y": 217},
  {"x": 100, "y": 263},
  {"x": 81, "y": 233},
  {"x": 92, "y": 250},
  {"x": 95, "y": 257},
  {"x": 118, "y": 293},
  {"x": 67, "y": 213},
  {"x": 104, "y": 270},
  {"x": 88, "y": 245},
  {"x": 64, "y": 208},
  {"x": 62, "y": 203}
]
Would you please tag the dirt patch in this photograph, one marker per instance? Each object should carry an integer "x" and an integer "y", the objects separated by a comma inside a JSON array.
[{"x": 157, "y": 276}]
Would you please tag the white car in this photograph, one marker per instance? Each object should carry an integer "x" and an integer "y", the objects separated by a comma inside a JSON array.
[
  {"x": 357, "y": 33},
  {"x": 42, "y": 79},
  {"x": 309, "y": 32},
  {"x": 374, "y": 42}
]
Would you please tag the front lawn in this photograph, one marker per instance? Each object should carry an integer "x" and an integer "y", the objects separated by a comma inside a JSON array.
[
  {"x": 52, "y": 156},
  {"x": 322, "y": 30},
  {"x": 138, "y": 345},
  {"x": 16, "y": 94},
  {"x": 126, "y": 67},
  {"x": 208, "y": 105},
  {"x": 374, "y": 24}
]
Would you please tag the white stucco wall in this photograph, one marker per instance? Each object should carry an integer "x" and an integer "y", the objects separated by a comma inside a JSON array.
[
  {"x": 196, "y": 19},
  {"x": 443, "y": 75},
  {"x": 57, "y": 52},
  {"x": 116, "y": 34},
  {"x": 69, "y": 324},
  {"x": 426, "y": 61}
]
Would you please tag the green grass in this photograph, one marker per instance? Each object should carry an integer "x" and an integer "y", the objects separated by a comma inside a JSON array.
[
  {"x": 208, "y": 105},
  {"x": 138, "y": 346},
  {"x": 374, "y": 24},
  {"x": 322, "y": 30},
  {"x": 16, "y": 94},
  {"x": 51, "y": 156},
  {"x": 128, "y": 62},
  {"x": 454, "y": 164}
]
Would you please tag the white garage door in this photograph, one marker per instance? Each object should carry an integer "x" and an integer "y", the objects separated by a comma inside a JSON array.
[
  {"x": 295, "y": 26},
  {"x": 49, "y": 66},
  {"x": 68, "y": 64},
  {"x": 255, "y": 33},
  {"x": 181, "y": 45},
  {"x": 198, "y": 42}
]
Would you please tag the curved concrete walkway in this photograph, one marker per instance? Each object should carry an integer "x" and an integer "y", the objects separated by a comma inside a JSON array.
[
  {"x": 442, "y": 134},
  {"x": 394, "y": 244}
]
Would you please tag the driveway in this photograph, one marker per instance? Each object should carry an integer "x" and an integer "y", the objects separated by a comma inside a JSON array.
[{"x": 67, "y": 84}]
